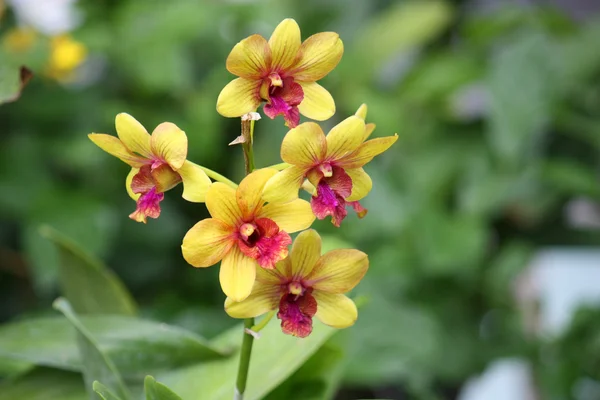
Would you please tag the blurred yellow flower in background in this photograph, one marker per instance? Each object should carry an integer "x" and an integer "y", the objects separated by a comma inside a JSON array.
[
  {"x": 66, "y": 54},
  {"x": 19, "y": 40}
]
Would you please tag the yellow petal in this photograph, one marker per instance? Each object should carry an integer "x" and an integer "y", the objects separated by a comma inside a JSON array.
[
  {"x": 369, "y": 128},
  {"x": 361, "y": 184},
  {"x": 115, "y": 147},
  {"x": 249, "y": 192},
  {"x": 367, "y": 151},
  {"x": 263, "y": 298},
  {"x": 285, "y": 43},
  {"x": 317, "y": 103},
  {"x": 128, "y": 180},
  {"x": 306, "y": 251},
  {"x": 237, "y": 274},
  {"x": 362, "y": 112},
  {"x": 275, "y": 276},
  {"x": 284, "y": 186},
  {"x": 133, "y": 134},
  {"x": 239, "y": 97},
  {"x": 221, "y": 204},
  {"x": 207, "y": 242},
  {"x": 291, "y": 217},
  {"x": 335, "y": 310},
  {"x": 165, "y": 178},
  {"x": 345, "y": 137},
  {"x": 338, "y": 271},
  {"x": 195, "y": 182},
  {"x": 319, "y": 54},
  {"x": 170, "y": 144},
  {"x": 250, "y": 58},
  {"x": 304, "y": 146}
]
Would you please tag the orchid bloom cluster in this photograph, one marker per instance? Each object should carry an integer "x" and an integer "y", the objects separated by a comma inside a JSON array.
[{"x": 250, "y": 224}]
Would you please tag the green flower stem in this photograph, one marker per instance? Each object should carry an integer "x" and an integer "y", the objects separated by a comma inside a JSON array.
[
  {"x": 280, "y": 166},
  {"x": 216, "y": 176},
  {"x": 263, "y": 322},
  {"x": 247, "y": 339},
  {"x": 245, "y": 353}
]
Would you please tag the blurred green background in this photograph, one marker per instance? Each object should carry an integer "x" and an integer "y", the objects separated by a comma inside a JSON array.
[{"x": 497, "y": 105}]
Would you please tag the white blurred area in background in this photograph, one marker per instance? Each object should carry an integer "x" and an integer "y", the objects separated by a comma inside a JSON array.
[
  {"x": 560, "y": 280},
  {"x": 50, "y": 17}
]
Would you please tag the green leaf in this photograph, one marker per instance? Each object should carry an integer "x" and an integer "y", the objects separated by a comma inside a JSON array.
[
  {"x": 95, "y": 363},
  {"x": 275, "y": 356},
  {"x": 317, "y": 379},
  {"x": 407, "y": 25},
  {"x": 44, "y": 384},
  {"x": 459, "y": 242},
  {"x": 12, "y": 82},
  {"x": 137, "y": 347},
  {"x": 571, "y": 177},
  {"x": 520, "y": 109},
  {"x": 158, "y": 391},
  {"x": 10, "y": 368},
  {"x": 104, "y": 392},
  {"x": 89, "y": 286}
]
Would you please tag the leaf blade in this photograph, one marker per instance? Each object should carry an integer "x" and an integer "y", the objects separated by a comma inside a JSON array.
[
  {"x": 95, "y": 363},
  {"x": 50, "y": 342},
  {"x": 157, "y": 391},
  {"x": 90, "y": 287},
  {"x": 275, "y": 356}
]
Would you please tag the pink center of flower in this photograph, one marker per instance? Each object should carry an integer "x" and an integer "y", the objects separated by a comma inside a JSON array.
[
  {"x": 262, "y": 240},
  {"x": 283, "y": 96},
  {"x": 297, "y": 307},
  {"x": 148, "y": 204},
  {"x": 332, "y": 190}
]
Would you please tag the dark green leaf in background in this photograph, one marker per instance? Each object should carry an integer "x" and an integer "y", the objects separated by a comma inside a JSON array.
[{"x": 44, "y": 384}]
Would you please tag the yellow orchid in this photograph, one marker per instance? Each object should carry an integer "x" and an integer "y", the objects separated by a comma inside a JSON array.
[
  {"x": 304, "y": 285},
  {"x": 244, "y": 232},
  {"x": 283, "y": 72},
  {"x": 158, "y": 163},
  {"x": 333, "y": 165}
]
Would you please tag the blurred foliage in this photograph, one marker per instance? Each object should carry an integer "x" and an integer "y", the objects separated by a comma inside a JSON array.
[{"x": 498, "y": 112}]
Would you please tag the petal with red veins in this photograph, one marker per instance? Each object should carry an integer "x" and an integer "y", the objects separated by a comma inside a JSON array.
[
  {"x": 285, "y": 43},
  {"x": 250, "y": 58},
  {"x": 170, "y": 144},
  {"x": 318, "y": 104},
  {"x": 207, "y": 242},
  {"x": 318, "y": 56},
  {"x": 239, "y": 97}
]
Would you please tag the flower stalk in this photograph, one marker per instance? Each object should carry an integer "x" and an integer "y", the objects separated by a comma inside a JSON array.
[
  {"x": 216, "y": 176},
  {"x": 247, "y": 339},
  {"x": 245, "y": 353}
]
